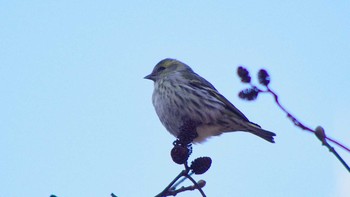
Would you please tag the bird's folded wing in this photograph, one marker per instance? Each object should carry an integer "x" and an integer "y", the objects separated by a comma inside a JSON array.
[{"x": 203, "y": 84}]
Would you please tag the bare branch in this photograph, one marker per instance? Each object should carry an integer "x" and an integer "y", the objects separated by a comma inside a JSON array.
[{"x": 253, "y": 92}]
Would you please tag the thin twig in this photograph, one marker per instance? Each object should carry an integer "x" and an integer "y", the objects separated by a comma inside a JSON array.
[
  {"x": 170, "y": 190},
  {"x": 196, "y": 184},
  {"x": 331, "y": 149},
  {"x": 339, "y": 144},
  {"x": 181, "y": 181},
  {"x": 174, "y": 192},
  {"x": 297, "y": 123},
  {"x": 264, "y": 80},
  {"x": 164, "y": 192}
]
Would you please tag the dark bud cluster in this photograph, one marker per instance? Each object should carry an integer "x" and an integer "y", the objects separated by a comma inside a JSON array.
[
  {"x": 187, "y": 132},
  {"x": 183, "y": 144},
  {"x": 264, "y": 77},
  {"x": 243, "y": 74},
  {"x": 183, "y": 148},
  {"x": 249, "y": 93},
  {"x": 201, "y": 165},
  {"x": 180, "y": 154},
  {"x": 181, "y": 151}
]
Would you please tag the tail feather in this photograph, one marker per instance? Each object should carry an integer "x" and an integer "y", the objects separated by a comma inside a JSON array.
[
  {"x": 266, "y": 135},
  {"x": 256, "y": 129},
  {"x": 231, "y": 125}
]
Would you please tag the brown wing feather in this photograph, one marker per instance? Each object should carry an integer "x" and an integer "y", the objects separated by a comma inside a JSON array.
[{"x": 203, "y": 84}]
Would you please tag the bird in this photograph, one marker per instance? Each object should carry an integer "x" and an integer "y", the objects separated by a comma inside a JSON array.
[{"x": 182, "y": 95}]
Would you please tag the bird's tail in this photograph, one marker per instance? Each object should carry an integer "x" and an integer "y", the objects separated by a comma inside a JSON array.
[
  {"x": 233, "y": 124},
  {"x": 266, "y": 135},
  {"x": 258, "y": 131}
]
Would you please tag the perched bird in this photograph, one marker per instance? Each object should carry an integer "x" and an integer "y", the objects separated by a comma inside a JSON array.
[{"x": 182, "y": 95}]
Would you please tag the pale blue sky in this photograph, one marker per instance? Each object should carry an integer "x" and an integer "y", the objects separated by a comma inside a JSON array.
[{"x": 76, "y": 115}]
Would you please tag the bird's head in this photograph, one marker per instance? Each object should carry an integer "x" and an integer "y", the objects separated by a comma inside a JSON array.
[{"x": 167, "y": 67}]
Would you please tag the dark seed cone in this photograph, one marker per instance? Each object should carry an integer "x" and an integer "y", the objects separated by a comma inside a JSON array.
[
  {"x": 201, "y": 165},
  {"x": 187, "y": 132},
  {"x": 264, "y": 77},
  {"x": 249, "y": 94},
  {"x": 243, "y": 74},
  {"x": 187, "y": 137},
  {"x": 180, "y": 154}
]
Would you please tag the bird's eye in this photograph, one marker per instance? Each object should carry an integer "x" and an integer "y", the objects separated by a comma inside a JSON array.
[{"x": 160, "y": 69}]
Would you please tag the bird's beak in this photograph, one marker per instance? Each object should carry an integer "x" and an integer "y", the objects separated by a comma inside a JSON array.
[{"x": 150, "y": 77}]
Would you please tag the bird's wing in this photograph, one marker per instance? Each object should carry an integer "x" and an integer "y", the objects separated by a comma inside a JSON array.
[{"x": 203, "y": 84}]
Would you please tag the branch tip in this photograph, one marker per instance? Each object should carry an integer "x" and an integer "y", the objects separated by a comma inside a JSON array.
[{"x": 320, "y": 134}]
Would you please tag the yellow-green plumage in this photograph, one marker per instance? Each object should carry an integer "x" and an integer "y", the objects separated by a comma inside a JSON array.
[{"x": 181, "y": 95}]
